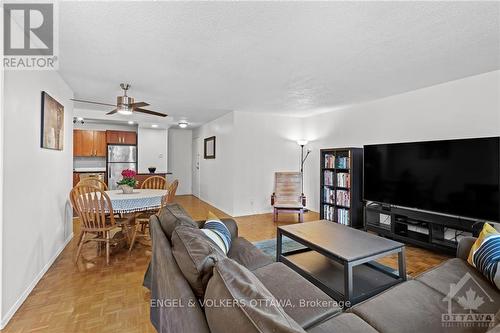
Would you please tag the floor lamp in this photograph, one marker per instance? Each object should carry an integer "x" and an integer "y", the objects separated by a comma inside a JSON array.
[{"x": 303, "y": 158}]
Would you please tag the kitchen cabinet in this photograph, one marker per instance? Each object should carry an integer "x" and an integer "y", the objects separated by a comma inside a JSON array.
[
  {"x": 87, "y": 143},
  {"x": 121, "y": 137}
]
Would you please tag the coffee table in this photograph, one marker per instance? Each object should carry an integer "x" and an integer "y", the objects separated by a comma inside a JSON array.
[{"x": 340, "y": 260}]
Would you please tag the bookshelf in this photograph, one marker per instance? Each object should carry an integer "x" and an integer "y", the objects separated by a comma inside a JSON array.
[{"x": 341, "y": 181}]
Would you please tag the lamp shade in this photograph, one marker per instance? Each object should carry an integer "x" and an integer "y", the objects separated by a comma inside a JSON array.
[{"x": 302, "y": 142}]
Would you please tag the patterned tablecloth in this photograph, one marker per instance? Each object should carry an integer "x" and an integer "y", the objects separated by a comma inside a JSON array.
[{"x": 139, "y": 200}]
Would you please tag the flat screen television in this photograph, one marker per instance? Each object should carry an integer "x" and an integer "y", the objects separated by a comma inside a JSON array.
[{"x": 456, "y": 177}]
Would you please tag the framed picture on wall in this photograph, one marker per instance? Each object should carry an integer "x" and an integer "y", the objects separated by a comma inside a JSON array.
[
  {"x": 52, "y": 128},
  {"x": 209, "y": 147}
]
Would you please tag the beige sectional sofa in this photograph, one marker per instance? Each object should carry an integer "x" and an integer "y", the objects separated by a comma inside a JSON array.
[{"x": 419, "y": 305}]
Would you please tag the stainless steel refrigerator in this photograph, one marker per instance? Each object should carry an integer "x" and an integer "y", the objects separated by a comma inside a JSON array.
[{"x": 120, "y": 158}]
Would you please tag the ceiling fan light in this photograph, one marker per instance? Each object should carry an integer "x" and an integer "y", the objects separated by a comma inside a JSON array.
[
  {"x": 125, "y": 110},
  {"x": 183, "y": 124}
]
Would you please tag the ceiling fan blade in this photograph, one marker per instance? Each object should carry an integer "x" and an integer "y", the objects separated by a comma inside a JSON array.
[
  {"x": 98, "y": 103},
  {"x": 139, "y": 104},
  {"x": 112, "y": 112},
  {"x": 150, "y": 112}
]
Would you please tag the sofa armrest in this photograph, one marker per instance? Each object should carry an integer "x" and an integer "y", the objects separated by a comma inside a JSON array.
[
  {"x": 230, "y": 224},
  {"x": 464, "y": 246}
]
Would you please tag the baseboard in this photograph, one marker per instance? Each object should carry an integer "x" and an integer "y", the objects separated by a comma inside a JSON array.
[{"x": 32, "y": 285}]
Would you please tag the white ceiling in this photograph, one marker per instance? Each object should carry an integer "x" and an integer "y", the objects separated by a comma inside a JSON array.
[{"x": 199, "y": 60}]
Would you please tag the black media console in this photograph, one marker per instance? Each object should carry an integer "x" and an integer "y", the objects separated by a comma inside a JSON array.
[{"x": 433, "y": 231}]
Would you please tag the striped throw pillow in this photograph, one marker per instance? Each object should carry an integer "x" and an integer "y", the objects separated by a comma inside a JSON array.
[
  {"x": 217, "y": 232},
  {"x": 485, "y": 254}
]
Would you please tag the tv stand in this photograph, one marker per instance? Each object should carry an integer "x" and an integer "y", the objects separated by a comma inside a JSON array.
[{"x": 432, "y": 231}]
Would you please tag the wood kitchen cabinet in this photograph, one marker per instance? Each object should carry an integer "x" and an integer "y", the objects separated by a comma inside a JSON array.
[
  {"x": 121, "y": 137},
  {"x": 87, "y": 143}
]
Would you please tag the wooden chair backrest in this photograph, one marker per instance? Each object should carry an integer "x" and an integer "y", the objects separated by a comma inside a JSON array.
[
  {"x": 93, "y": 181},
  {"x": 287, "y": 186},
  {"x": 169, "y": 197},
  {"x": 93, "y": 206},
  {"x": 154, "y": 183}
]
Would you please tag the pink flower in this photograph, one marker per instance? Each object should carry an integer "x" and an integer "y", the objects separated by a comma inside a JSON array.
[{"x": 127, "y": 173}]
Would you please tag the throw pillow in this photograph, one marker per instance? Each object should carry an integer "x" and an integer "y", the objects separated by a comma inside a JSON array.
[
  {"x": 485, "y": 254},
  {"x": 173, "y": 215},
  {"x": 217, "y": 232},
  {"x": 195, "y": 255},
  {"x": 236, "y": 294}
]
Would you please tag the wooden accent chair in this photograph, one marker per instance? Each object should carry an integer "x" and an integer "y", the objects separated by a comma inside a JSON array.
[
  {"x": 93, "y": 181},
  {"x": 94, "y": 209},
  {"x": 155, "y": 183},
  {"x": 288, "y": 196},
  {"x": 142, "y": 219}
]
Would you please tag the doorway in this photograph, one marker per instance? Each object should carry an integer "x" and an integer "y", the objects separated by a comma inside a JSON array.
[{"x": 196, "y": 167}]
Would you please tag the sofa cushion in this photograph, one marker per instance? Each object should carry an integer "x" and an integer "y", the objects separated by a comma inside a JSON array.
[
  {"x": 410, "y": 307},
  {"x": 246, "y": 254},
  {"x": 173, "y": 215},
  {"x": 485, "y": 254},
  {"x": 345, "y": 322},
  {"x": 452, "y": 272},
  {"x": 195, "y": 255},
  {"x": 171, "y": 296},
  {"x": 236, "y": 301},
  {"x": 294, "y": 291},
  {"x": 218, "y": 232}
]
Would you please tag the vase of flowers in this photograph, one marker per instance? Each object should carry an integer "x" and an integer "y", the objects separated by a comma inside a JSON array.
[{"x": 128, "y": 181}]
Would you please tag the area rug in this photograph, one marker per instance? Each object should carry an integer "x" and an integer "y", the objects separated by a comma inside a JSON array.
[{"x": 268, "y": 246}]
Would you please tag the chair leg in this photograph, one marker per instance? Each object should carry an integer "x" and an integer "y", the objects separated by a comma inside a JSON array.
[
  {"x": 107, "y": 247},
  {"x": 133, "y": 239},
  {"x": 80, "y": 238},
  {"x": 80, "y": 244}
]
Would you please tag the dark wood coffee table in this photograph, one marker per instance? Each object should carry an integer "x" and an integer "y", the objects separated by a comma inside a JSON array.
[{"x": 340, "y": 260}]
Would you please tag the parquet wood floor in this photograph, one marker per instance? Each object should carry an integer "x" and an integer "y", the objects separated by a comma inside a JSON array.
[{"x": 93, "y": 297}]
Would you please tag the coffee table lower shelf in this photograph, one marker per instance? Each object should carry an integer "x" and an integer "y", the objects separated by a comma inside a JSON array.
[{"x": 369, "y": 278}]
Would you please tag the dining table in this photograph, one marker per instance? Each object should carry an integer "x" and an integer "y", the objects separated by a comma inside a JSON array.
[{"x": 139, "y": 200}]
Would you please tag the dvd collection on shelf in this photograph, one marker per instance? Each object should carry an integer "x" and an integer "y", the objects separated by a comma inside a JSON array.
[
  {"x": 343, "y": 216},
  {"x": 342, "y": 162},
  {"x": 340, "y": 186},
  {"x": 328, "y": 195},
  {"x": 329, "y": 161},
  {"x": 329, "y": 213},
  {"x": 343, "y": 180},
  {"x": 328, "y": 178},
  {"x": 343, "y": 198}
]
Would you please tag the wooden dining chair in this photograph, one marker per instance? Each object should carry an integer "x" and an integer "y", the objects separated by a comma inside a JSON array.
[
  {"x": 95, "y": 211},
  {"x": 169, "y": 197},
  {"x": 93, "y": 181},
  {"x": 155, "y": 183},
  {"x": 142, "y": 219}
]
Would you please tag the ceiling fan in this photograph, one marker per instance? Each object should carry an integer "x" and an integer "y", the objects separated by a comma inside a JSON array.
[{"x": 124, "y": 104}]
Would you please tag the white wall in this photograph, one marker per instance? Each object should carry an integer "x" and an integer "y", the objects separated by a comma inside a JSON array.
[
  {"x": 152, "y": 151},
  {"x": 464, "y": 108},
  {"x": 217, "y": 175},
  {"x": 180, "y": 158},
  {"x": 250, "y": 148},
  {"x": 264, "y": 144},
  {"x": 37, "y": 220}
]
